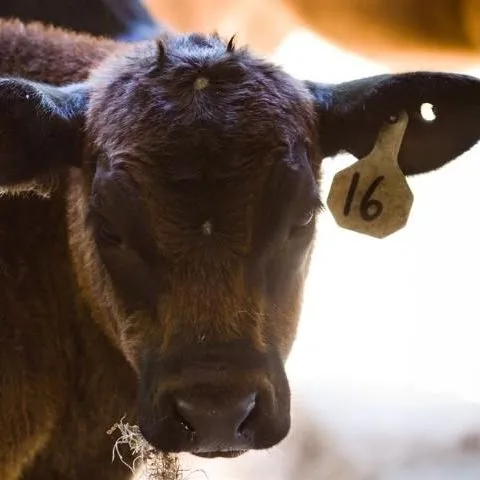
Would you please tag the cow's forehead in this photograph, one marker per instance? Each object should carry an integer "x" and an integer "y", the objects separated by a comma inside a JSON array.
[{"x": 193, "y": 92}]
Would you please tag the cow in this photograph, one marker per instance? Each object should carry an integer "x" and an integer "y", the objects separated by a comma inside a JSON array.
[
  {"x": 123, "y": 20},
  {"x": 157, "y": 218}
]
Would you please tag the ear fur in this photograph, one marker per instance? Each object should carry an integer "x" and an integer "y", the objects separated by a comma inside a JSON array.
[
  {"x": 351, "y": 114},
  {"x": 41, "y": 130}
]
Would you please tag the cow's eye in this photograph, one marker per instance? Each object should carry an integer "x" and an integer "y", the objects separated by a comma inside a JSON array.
[
  {"x": 303, "y": 221},
  {"x": 306, "y": 218},
  {"x": 104, "y": 232}
]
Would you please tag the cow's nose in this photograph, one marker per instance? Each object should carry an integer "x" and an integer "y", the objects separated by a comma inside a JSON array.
[{"x": 220, "y": 428}]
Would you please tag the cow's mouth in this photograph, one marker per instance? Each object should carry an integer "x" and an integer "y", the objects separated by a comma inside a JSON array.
[{"x": 220, "y": 453}]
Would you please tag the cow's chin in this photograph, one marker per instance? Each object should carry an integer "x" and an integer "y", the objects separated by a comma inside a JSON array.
[{"x": 220, "y": 454}]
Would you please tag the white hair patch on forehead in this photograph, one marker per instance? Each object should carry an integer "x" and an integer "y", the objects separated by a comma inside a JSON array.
[
  {"x": 201, "y": 83},
  {"x": 207, "y": 228}
]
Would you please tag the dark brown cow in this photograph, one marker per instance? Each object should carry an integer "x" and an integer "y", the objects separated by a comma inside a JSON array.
[{"x": 156, "y": 226}]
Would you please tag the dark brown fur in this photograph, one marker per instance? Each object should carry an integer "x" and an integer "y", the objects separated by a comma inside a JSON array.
[
  {"x": 48, "y": 54},
  {"x": 155, "y": 235},
  {"x": 56, "y": 403}
]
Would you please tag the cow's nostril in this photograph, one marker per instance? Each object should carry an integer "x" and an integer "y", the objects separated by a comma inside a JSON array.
[
  {"x": 186, "y": 425},
  {"x": 217, "y": 426},
  {"x": 249, "y": 413}
]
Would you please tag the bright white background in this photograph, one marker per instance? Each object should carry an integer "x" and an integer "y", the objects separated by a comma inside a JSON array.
[{"x": 386, "y": 369}]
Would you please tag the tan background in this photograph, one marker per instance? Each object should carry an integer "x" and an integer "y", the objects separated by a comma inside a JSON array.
[{"x": 400, "y": 33}]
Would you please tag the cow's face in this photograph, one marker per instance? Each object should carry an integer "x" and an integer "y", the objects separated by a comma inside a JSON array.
[
  {"x": 201, "y": 170},
  {"x": 202, "y": 205}
]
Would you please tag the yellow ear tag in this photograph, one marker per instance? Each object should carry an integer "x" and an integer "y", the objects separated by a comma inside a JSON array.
[{"x": 372, "y": 195}]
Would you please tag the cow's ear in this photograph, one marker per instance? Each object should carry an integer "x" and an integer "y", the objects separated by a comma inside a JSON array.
[
  {"x": 351, "y": 114},
  {"x": 40, "y": 129}
]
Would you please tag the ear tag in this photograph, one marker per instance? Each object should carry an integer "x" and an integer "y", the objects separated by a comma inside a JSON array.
[{"x": 372, "y": 196}]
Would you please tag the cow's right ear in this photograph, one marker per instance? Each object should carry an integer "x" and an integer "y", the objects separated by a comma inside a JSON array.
[{"x": 41, "y": 129}]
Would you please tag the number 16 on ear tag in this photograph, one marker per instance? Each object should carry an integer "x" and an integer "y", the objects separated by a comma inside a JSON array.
[{"x": 372, "y": 195}]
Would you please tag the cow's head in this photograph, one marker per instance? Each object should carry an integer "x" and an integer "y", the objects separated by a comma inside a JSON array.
[{"x": 200, "y": 167}]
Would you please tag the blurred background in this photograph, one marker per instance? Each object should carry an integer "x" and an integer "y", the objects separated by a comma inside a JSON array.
[
  {"x": 399, "y": 33},
  {"x": 385, "y": 372}
]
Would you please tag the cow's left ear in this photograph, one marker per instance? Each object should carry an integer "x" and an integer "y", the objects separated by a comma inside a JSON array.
[
  {"x": 40, "y": 129},
  {"x": 351, "y": 114}
]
